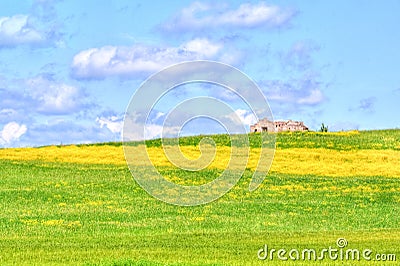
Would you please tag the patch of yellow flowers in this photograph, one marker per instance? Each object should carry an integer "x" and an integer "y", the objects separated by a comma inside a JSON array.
[
  {"x": 299, "y": 161},
  {"x": 68, "y": 224}
]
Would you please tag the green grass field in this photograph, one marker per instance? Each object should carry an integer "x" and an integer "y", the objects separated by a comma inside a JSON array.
[{"x": 55, "y": 213}]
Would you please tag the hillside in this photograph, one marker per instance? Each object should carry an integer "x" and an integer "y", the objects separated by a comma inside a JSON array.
[
  {"x": 369, "y": 139},
  {"x": 79, "y": 204}
]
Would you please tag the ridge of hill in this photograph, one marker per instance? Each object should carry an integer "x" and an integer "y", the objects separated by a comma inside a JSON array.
[{"x": 343, "y": 140}]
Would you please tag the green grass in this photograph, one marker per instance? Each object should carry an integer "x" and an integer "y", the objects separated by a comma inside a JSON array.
[
  {"x": 71, "y": 214},
  {"x": 370, "y": 139},
  {"x": 105, "y": 218}
]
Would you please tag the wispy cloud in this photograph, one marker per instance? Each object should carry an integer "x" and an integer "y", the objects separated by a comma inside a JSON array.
[
  {"x": 294, "y": 98},
  {"x": 343, "y": 126},
  {"x": 367, "y": 104},
  {"x": 54, "y": 97},
  {"x": 15, "y": 99},
  {"x": 315, "y": 97},
  {"x": 299, "y": 56},
  {"x": 136, "y": 129},
  {"x": 123, "y": 61},
  {"x": 40, "y": 104},
  {"x": 7, "y": 112},
  {"x": 64, "y": 132},
  {"x": 294, "y": 92},
  {"x": 8, "y": 115},
  {"x": 199, "y": 16},
  {"x": 18, "y": 30}
]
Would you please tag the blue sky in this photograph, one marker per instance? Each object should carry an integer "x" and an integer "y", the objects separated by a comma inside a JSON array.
[{"x": 69, "y": 68}]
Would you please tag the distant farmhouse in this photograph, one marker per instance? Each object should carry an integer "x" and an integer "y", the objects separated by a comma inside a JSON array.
[{"x": 264, "y": 125}]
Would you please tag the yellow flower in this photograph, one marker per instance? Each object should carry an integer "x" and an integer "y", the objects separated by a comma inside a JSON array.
[
  {"x": 198, "y": 219},
  {"x": 53, "y": 222}
]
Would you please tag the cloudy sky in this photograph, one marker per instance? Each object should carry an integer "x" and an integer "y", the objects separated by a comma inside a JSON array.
[{"x": 69, "y": 68}]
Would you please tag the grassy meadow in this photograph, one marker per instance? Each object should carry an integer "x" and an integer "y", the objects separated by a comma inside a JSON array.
[{"x": 79, "y": 205}]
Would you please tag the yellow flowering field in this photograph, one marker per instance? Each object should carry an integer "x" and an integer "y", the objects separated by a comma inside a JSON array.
[{"x": 317, "y": 161}]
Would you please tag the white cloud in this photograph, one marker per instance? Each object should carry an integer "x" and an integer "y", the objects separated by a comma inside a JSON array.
[
  {"x": 314, "y": 97},
  {"x": 199, "y": 16},
  {"x": 135, "y": 129},
  {"x": 152, "y": 131},
  {"x": 12, "y": 132},
  {"x": 54, "y": 97},
  {"x": 136, "y": 60},
  {"x": 241, "y": 119},
  {"x": 246, "y": 117},
  {"x": 113, "y": 123},
  {"x": 202, "y": 46},
  {"x": 248, "y": 15},
  {"x": 139, "y": 132},
  {"x": 159, "y": 115},
  {"x": 303, "y": 91},
  {"x": 17, "y": 30}
]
